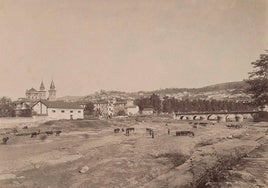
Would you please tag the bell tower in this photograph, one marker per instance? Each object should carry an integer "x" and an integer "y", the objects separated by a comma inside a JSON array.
[
  {"x": 42, "y": 91},
  {"x": 52, "y": 92}
]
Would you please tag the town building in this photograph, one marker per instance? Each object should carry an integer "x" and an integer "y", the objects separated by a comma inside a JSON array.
[
  {"x": 52, "y": 92},
  {"x": 58, "y": 109},
  {"x": 132, "y": 110},
  {"x": 111, "y": 107},
  {"x": 35, "y": 95},
  {"x": 23, "y": 107},
  {"x": 101, "y": 107},
  {"x": 147, "y": 111}
]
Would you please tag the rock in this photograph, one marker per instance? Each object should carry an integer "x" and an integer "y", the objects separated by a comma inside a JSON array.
[
  {"x": 84, "y": 169},
  {"x": 230, "y": 137},
  {"x": 21, "y": 177}
]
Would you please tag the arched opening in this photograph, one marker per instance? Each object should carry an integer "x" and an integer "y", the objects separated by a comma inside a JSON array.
[
  {"x": 247, "y": 116},
  {"x": 194, "y": 118},
  {"x": 184, "y": 117},
  {"x": 212, "y": 117},
  {"x": 221, "y": 118},
  {"x": 202, "y": 117},
  {"x": 239, "y": 118},
  {"x": 230, "y": 118}
]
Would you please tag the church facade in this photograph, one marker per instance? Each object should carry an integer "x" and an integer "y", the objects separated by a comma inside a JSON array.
[{"x": 41, "y": 94}]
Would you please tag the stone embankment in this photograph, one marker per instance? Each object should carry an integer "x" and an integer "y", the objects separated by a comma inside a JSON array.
[{"x": 207, "y": 163}]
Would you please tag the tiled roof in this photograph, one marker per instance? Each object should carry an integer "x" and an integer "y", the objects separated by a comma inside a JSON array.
[
  {"x": 32, "y": 90},
  {"x": 133, "y": 106},
  {"x": 148, "y": 109},
  {"x": 61, "y": 104},
  {"x": 101, "y": 102},
  {"x": 120, "y": 102}
]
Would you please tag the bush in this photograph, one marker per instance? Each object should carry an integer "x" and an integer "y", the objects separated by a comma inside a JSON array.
[
  {"x": 121, "y": 113},
  {"x": 263, "y": 116}
]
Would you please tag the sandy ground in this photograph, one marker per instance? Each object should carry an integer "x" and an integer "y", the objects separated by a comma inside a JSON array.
[{"x": 116, "y": 160}]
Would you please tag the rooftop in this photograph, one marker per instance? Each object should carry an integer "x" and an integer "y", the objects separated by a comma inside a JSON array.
[{"x": 60, "y": 104}]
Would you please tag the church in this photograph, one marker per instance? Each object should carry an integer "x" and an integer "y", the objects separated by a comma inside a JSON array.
[{"x": 41, "y": 94}]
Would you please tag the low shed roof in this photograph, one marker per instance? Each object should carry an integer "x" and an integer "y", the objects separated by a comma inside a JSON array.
[{"x": 60, "y": 104}]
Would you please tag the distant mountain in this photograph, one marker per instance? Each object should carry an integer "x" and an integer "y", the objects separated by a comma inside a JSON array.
[{"x": 222, "y": 91}]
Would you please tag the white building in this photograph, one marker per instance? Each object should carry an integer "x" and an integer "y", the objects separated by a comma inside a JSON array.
[
  {"x": 132, "y": 110},
  {"x": 58, "y": 110},
  {"x": 264, "y": 108},
  {"x": 147, "y": 111}
]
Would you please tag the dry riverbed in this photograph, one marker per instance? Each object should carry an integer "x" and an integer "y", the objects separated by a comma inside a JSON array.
[{"x": 89, "y": 154}]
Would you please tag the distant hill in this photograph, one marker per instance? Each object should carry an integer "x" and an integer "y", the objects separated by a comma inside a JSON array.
[
  {"x": 222, "y": 91},
  {"x": 70, "y": 98},
  {"x": 242, "y": 85},
  {"x": 239, "y": 86}
]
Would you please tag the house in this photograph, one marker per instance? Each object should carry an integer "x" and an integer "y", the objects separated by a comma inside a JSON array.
[
  {"x": 58, "y": 109},
  {"x": 119, "y": 106},
  {"x": 22, "y": 107},
  {"x": 147, "y": 111},
  {"x": 110, "y": 107},
  {"x": 101, "y": 106},
  {"x": 132, "y": 110}
]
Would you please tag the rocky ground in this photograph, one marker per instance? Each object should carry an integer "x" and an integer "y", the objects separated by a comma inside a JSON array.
[{"x": 89, "y": 154}]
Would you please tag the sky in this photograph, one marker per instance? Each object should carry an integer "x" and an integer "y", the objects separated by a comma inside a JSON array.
[{"x": 91, "y": 45}]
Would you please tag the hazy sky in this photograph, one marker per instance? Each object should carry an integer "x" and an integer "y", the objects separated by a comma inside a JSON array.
[{"x": 128, "y": 45}]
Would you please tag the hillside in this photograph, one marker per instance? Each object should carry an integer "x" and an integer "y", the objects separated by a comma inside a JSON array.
[
  {"x": 222, "y": 91},
  {"x": 239, "y": 86}
]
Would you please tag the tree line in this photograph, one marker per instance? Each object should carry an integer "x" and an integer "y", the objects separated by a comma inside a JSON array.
[{"x": 170, "y": 104}]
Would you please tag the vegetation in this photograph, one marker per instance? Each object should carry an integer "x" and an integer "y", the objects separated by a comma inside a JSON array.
[
  {"x": 169, "y": 105},
  {"x": 89, "y": 109},
  {"x": 149, "y": 102},
  {"x": 258, "y": 80},
  {"x": 6, "y": 107},
  {"x": 121, "y": 113}
]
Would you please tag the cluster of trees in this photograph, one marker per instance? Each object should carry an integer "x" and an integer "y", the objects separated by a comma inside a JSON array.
[
  {"x": 6, "y": 107},
  {"x": 258, "y": 81},
  {"x": 173, "y": 105},
  {"x": 149, "y": 102},
  {"x": 170, "y": 105}
]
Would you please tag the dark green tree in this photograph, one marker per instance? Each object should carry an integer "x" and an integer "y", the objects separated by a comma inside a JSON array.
[
  {"x": 89, "y": 109},
  {"x": 155, "y": 102},
  {"x": 258, "y": 81},
  {"x": 7, "y": 108}
]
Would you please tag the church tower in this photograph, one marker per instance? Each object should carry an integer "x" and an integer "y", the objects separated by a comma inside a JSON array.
[
  {"x": 52, "y": 92},
  {"x": 42, "y": 91}
]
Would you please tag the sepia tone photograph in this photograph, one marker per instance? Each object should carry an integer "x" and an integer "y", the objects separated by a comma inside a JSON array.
[{"x": 133, "y": 93}]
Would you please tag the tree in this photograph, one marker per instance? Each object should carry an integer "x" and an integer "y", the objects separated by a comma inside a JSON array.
[
  {"x": 6, "y": 107},
  {"x": 155, "y": 102},
  {"x": 121, "y": 113},
  {"x": 89, "y": 109},
  {"x": 258, "y": 81}
]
